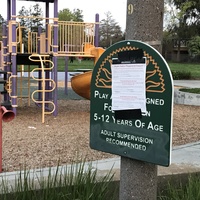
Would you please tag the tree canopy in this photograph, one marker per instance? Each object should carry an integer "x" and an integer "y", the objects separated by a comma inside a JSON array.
[
  {"x": 2, "y": 21},
  {"x": 183, "y": 20},
  {"x": 186, "y": 19},
  {"x": 30, "y": 20},
  {"x": 36, "y": 22},
  {"x": 67, "y": 15},
  {"x": 31, "y": 23},
  {"x": 194, "y": 46},
  {"x": 110, "y": 31},
  {"x": 189, "y": 9}
]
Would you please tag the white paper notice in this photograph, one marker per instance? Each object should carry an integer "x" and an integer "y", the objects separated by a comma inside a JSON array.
[{"x": 129, "y": 86}]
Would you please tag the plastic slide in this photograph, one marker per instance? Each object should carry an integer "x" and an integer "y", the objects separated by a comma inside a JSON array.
[{"x": 81, "y": 84}]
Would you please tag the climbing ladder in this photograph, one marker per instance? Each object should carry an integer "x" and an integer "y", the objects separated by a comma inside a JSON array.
[{"x": 45, "y": 88}]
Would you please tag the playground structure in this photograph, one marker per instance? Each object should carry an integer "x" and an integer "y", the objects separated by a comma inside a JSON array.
[{"x": 55, "y": 39}]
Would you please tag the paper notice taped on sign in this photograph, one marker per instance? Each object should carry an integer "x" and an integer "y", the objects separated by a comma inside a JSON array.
[{"x": 129, "y": 86}]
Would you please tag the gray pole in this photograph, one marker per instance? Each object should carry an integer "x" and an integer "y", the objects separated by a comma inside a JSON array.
[
  {"x": 144, "y": 22},
  {"x": 55, "y": 58},
  {"x": 138, "y": 180},
  {"x": 96, "y": 37},
  {"x": 14, "y": 58}
]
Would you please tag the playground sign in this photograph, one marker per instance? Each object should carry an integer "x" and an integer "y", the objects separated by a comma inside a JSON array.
[{"x": 131, "y": 103}]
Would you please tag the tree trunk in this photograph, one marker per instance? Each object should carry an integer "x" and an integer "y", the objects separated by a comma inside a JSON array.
[
  {"x": 178, "y": 51},
  {"x": 145, "y": 21},
  {"x": 138, "y": 180}
]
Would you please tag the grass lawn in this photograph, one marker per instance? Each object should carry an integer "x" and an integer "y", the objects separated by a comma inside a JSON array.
[
  {"x": 191, "y": 90},
  {"x": 84, "y": 64},
  {"x": 194, "y": 69}
]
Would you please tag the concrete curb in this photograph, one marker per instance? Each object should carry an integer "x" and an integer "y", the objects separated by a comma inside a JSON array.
[
  {"x": 185, "y": 160},
  {"x": 186, "y": 98}
]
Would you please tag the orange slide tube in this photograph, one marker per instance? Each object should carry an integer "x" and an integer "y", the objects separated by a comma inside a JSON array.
[{"x": 81, "y": 84}]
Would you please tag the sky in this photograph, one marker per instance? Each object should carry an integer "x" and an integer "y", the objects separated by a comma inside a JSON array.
[{"x": 89, "y": 8}]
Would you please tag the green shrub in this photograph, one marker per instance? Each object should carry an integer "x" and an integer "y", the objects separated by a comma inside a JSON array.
[
  {"x": 190, "y": 90},
  {"x": 188, "y": 191},
  {"x": 74, "y": 183},
  {"x": 194, "y": 46},
  {"x": 181, "y": 75}
]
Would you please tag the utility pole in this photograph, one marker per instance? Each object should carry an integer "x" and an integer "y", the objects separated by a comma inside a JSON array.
[{"x": 144, "y": 22}]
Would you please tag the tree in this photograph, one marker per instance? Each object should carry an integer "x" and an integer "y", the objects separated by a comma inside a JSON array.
[
  {"x": 71, "y": 34},
  {"x": 35, "y": 22},
  {"x": 77, "y": 15},
  {"x": 23, "y": 23},
  {"x": 170, "y": 14},
  {"x": 184, "y": 20},
  {"x": 30, "y": 21},
  {"x": 110, "y": 31},
  {"x": 194, "y": 47},
  {"x": 178, "y": 27},
  {"x": 67, "y": 15},
  {"x": 189, "y": 10},
  {"x": 2, "y": 21}
]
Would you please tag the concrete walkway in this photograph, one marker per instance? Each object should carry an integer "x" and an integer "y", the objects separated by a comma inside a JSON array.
[
  {"x": 187, "y": 83},
  {"x": 185, "y": 159}
]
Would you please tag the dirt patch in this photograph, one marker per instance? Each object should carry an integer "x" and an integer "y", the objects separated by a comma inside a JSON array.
[{"x": 26, "y": 141}]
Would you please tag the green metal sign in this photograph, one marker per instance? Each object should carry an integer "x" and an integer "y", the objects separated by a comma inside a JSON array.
[{"x": 146, "y": 137}]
